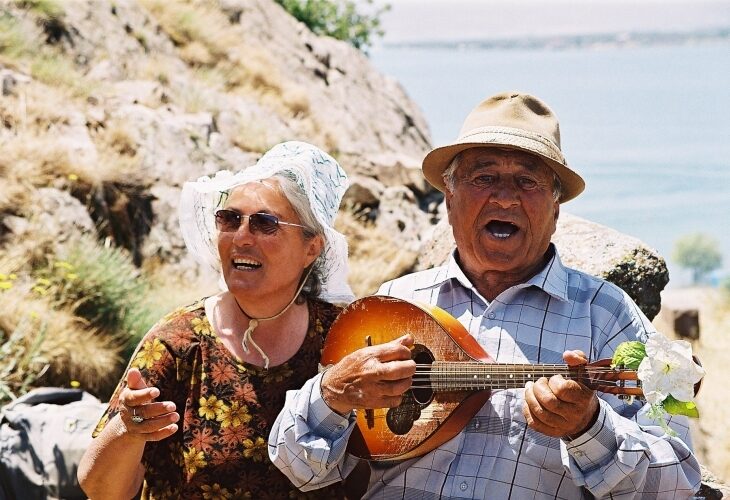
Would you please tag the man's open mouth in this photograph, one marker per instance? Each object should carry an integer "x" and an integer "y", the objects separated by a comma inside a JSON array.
[
  {"x": 502, "y": 229},
  {"x": 246, "y": 264}
]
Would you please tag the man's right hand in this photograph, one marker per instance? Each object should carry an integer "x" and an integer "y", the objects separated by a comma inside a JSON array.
[{"x": 371, "y": 377}]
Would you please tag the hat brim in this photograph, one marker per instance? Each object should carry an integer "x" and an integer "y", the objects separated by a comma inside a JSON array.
[{"x": 436, "y": 162}]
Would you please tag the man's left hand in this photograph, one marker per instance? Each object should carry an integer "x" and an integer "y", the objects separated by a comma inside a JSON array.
[{"x": 559, "y": 407}]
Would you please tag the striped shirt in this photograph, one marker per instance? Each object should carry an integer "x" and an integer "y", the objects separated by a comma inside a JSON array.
[{"x": 624, "y": 454}]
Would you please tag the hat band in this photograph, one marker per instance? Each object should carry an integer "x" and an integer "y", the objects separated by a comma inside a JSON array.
[{"x": 515, "y": 137}]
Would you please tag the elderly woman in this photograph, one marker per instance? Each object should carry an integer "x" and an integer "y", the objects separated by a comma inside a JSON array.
[{"x": 191, "y": 417}]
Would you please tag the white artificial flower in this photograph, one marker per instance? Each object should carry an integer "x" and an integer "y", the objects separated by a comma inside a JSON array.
[{"x": 668, "y": 369}]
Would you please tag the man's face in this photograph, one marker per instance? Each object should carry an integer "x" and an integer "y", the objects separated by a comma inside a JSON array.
[{"x": 502, "y": 212}]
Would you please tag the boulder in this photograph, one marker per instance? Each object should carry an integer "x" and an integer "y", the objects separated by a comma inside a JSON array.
[
  {"x": 399, "y": 216},
  {"x": 61, "y": 216},
  {"x": 588, "y": 247},
  {"x": 712, "y": 488},
  {"x": 363, "y": 191}
]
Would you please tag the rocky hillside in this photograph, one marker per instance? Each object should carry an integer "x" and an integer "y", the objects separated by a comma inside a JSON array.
[{"x": 109, "y": 106}]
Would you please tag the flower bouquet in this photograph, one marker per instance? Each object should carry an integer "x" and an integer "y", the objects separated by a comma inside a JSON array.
[{"x": 668, "y": 375}]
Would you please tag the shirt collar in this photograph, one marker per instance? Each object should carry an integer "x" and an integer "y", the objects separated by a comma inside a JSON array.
[{"x": 552, "y": 279}]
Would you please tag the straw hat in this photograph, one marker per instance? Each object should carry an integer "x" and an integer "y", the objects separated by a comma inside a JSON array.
[{"x": 510, "y": 120}]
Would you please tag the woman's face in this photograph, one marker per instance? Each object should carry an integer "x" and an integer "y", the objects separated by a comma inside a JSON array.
[{"x": 262, "y": 265}]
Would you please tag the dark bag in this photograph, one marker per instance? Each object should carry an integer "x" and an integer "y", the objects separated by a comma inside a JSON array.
[{"x": 42, "y": 438}]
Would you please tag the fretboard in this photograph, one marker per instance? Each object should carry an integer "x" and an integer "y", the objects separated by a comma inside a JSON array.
[{"x": 454, "y": 376}]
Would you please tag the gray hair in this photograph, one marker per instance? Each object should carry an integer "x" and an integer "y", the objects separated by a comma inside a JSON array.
[
  {"x": 300, "y": 203},
  {"x": 449, "y": 177}
]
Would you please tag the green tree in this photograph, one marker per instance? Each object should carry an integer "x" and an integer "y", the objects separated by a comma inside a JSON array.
[
  {"x": 339, "y": 19},
  {"x": 699, "y": 253}
]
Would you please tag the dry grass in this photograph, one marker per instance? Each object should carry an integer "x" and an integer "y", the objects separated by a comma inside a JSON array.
[
  {"x": 14, "y": 43},
  {"x": 207, "y": 40},
  {"x": 28, "y": 162},
  {"x": 711, "y": 433},
  {"x": 200, "y": 22},
  {"x": 54, "y": 69},
  {"x": 374, "y": 256},
  {"x": 54, "y": 343},
  {"x": 35, "y": 108},
  {"x": 31, "y": 161}
]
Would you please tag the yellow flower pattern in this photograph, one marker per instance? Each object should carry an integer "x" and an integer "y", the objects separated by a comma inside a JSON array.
[
  {"x": 150, "y": 353},
  {"x": 211, "y": 407},
  {"x": 256, "y": 449},
  {"x": 194, "y": 460},
  {"x": 233, "y": 415},
  {"x": 202, "y": 326},
  {"x": 215, "y": 492}
]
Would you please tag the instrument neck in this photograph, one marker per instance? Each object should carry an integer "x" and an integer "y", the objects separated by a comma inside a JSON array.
[{"x": 446, "y": 375}]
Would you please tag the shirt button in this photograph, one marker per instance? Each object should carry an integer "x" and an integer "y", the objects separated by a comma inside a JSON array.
[
  {"x": 463, "y": 486},
  {"x": 340, "y": 427},
  {"x": 579, "y": 453},
  {"x": 477, "y": 424},
  {"x": 492, "y": 315}
]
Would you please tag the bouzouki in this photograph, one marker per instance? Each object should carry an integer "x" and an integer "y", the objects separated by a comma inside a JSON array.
[{"x": 454, "y": 376}]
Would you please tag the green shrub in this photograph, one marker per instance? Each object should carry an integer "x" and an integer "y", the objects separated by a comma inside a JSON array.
[
  {"x": 101, "y": 285},
  {"x": 339, "y": 19},
  {"x": 699, "y": 253},
  {"x": 22, "y": 363},
  {"x": 13, "y": 42},
  {"x": 44, "y": 9}
]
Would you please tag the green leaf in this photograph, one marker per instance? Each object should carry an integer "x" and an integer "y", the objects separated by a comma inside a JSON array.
[
  {"x": 675, "y": 407},
  {"x": 629, "y": 354}
]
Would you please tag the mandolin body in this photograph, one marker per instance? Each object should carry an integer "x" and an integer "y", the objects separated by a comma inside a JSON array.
[{"x": 426, "y": 419}]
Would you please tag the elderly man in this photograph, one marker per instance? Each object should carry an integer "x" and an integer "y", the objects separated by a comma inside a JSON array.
[{"x": 503, "y": 180}]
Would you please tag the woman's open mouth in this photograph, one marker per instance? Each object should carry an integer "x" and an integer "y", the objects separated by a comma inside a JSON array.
[{"x": 246, "y": 264}]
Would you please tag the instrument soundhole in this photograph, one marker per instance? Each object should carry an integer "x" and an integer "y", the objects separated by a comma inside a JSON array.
[
  {"x": 422, "y": 389},
  {"x": 400, "y": 419}
]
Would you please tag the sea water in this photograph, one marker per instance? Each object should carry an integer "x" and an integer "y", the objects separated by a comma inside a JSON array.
[{"x": 647, "y": 127}]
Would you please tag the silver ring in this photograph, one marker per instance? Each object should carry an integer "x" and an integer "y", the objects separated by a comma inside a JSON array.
[{"x": 137, "y": 419}]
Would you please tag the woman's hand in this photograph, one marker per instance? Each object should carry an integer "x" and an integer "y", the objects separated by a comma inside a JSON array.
[{"x": 158, "y": 419}]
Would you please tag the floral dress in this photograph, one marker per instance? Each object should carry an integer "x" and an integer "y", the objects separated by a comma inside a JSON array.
[{"x": 227, "y": 408}]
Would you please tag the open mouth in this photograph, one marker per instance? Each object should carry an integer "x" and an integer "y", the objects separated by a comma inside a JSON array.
[
  {"x": 246, "y": 264},
  {"x": 501, "y": 229}
]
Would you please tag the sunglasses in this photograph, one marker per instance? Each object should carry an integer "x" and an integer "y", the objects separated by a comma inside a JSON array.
[{"x": 228, "y": 221}]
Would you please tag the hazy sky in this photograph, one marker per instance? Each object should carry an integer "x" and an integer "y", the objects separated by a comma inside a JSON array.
[{"x": 410, "y": 20}]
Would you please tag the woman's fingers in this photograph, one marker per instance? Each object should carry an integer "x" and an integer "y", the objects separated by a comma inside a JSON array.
[
  {"x": 150, "y": 425},
  {"x": 135, "y": 380},
  {"x": 150, "y": 411},
  {"x": 141, "y": 414},
  {"x": 137, "y": 393},
  {"x": 161, "y": 434}
]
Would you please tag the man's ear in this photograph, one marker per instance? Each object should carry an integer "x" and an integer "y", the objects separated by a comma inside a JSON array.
[
  {"x": 447, "y": 199},
  {"x": 557, "y": 211}
]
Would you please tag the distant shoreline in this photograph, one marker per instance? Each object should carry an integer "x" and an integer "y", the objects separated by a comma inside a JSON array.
[{"x": 565, "y": 42}]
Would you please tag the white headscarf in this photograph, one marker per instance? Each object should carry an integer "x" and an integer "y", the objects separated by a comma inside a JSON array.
[{"x": 318, "y": 175}]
